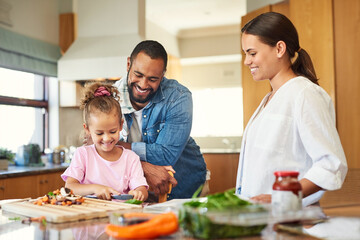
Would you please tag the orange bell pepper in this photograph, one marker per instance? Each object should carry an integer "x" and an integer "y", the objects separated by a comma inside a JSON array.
[{"x": 160, "y": 225}]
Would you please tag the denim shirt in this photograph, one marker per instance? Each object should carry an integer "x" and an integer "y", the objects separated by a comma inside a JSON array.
[{"x": 166, "y": 126}]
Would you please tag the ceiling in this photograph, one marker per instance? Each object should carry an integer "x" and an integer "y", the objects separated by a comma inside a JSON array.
[{"x": 177, "y": 15}]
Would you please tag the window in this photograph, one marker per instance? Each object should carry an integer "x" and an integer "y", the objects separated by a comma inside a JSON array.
[
  {"x": 217, "y": 112},
  {"x": 23, "y": 109},
  {"x": 217, "y": 102}
]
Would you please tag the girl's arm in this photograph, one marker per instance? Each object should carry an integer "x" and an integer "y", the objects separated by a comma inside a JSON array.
[
  {"x": 101, "y": 192},
  {"x": 140, "y": 193}
]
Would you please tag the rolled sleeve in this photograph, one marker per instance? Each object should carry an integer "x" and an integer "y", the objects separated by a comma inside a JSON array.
[
  {"x": 325, "y": 179},
  {"x": 140, "y": 149}
]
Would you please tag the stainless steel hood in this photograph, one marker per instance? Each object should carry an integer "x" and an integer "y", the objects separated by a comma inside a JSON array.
[{"x": 108, "y": 30}]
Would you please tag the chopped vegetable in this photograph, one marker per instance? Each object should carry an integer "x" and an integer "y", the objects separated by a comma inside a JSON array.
[
  {"x": 14, "y": 218},
  {"x": 196, "y": 223},
  {"x": 133, "y": 201},
  {"x": 41, "y": 220},
  {"x": 160, "y": 225},
  {"x": 57, "y": 198}
]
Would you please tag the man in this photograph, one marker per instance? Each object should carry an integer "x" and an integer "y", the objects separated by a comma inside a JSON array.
[{"x": 158, "y": 119}]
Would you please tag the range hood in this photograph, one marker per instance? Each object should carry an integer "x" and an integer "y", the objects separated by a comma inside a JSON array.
[{"x": 108, "y": 30}]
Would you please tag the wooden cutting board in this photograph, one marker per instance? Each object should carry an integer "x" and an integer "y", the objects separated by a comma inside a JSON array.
[{"x": 89, "y": 209}]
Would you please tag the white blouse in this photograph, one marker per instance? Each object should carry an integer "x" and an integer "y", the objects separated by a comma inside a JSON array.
[{"x": 295, "y": 131}]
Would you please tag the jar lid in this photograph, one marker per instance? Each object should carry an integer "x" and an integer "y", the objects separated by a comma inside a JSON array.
[{"x": 286, "y": 173}]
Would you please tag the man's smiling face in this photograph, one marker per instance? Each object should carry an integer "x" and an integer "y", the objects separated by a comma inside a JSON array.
[{"x": 144, "y": 78}]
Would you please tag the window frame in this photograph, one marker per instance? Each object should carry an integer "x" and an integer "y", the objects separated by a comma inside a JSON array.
[{"x": 43, "y": 104}]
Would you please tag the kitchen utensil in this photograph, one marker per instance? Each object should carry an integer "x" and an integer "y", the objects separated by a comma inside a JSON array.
[{"x": 118, "y": 197}]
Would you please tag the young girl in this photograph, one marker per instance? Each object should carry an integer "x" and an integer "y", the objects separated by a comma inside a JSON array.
[
  {"x": 103, "y": 168},
  {"x": 294, "y": 126}
]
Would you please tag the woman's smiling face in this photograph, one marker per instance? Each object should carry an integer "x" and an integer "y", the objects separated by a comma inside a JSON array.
[{"x": 259, "y": 57}]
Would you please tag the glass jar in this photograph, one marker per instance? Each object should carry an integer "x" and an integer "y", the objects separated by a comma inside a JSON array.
[{"x": 287, "y": 192}]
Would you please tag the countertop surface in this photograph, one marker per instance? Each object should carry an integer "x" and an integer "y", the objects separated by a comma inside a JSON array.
[
  {"x": 18, "y": 171},
  {"x": 343, "y": 223}
]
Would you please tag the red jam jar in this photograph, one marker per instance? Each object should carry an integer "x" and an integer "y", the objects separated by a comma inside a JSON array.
[{"x": 287, "y": 192}]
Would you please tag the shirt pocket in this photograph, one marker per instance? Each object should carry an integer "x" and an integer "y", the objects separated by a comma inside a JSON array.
[
  {"x": 273, "y": 132},
  {"x": 154, "y": 131}
]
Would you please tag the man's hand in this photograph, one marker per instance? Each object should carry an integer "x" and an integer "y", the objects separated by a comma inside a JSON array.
[{"x": 158, "y": 177}]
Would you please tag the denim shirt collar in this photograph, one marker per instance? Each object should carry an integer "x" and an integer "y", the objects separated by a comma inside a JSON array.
[{"x": 125, "y": 103}]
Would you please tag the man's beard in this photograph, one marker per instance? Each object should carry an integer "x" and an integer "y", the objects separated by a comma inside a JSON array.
[{"x": 135, "y": 99}]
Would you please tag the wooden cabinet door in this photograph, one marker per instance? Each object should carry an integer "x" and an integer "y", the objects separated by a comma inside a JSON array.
[
  {"x": 314, "y": 23},
  {"x": 2, "y": 189},
  {"x": 20, "y": 187},
  {"x": 49, "y": 182},
  {"x": 223, "y": 170}
]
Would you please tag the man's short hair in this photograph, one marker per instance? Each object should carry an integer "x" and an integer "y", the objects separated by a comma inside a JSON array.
[{"x": 151, "y": 48}]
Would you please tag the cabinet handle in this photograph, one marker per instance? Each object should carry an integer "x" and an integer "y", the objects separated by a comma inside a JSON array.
[
  {"x": 41, "y": 182},
  {"x": 46, "y": 181},
  {"x": 2, "y": 188}
]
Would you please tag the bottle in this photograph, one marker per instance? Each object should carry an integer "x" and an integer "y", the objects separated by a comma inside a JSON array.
[{"x": 287, "y": 193}]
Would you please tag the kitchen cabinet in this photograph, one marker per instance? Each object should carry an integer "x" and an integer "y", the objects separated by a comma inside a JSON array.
[
  {"x": 20, "y": 187},
  {"x": 2, "y": 188},
  {"x": 223, "y": 170},
  {"x": 49, "y": 182},
  {"x": 30, "y": 186}
]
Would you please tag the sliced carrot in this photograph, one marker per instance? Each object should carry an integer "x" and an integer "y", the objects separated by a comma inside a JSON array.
[
  {"x": 160, "y": 225},
  {"x": 45, "y": 199},
  {"x": 53, "y": 201}
]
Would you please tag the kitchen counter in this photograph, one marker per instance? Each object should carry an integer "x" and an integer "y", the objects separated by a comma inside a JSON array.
[
  {"x": 18, "y": 171},
  {"x": 343, "y": 223}
]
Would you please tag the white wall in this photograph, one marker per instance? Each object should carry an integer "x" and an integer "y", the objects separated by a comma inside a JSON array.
[
  {"x": 38, "y": 19},
  {"x": 252, "y": 5},
  {"x": 212, "y": 75},
  {"x": 169, "y": 41}
]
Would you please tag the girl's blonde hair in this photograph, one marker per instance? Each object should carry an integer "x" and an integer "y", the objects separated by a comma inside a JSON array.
[{"x": 99, "y": 96}]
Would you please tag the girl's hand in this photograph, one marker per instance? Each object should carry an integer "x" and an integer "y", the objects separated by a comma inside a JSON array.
[
  {"x": 103, "y": 192},
  {"x": 139, "y": 193},
  {"x": 262, "y": 198}
]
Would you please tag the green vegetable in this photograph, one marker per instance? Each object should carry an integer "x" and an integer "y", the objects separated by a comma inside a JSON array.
[
  {"x": 198, "y": 191},
  {"x": 43, "y": 222},
  {"x": 134, "y": 201},
  {"x": 194, "y": 217},
  {"x": 14, "y": 218},
  {"x": 51, "y": 194},
  {"x": 224, "y": 200}
]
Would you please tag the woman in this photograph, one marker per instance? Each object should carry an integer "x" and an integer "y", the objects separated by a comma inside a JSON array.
[{"x": 294, "y": 126}]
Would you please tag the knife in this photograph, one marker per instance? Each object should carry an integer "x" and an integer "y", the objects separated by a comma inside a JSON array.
[{"x": 118, "y": 197}]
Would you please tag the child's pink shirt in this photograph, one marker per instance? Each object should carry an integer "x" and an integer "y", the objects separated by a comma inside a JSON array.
[{"x": 123, "y": 175}]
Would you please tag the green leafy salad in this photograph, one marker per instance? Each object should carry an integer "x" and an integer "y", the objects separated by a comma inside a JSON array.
[{"x": 221, "y": 215}]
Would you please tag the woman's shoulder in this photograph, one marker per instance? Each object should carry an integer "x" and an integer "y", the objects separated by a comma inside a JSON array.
[{"x": 302, "y": 86}]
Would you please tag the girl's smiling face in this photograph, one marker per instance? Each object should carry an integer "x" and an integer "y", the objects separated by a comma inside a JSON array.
[
  {"x": 104, "y": 130},
  {"x": 259, "y": 57}
]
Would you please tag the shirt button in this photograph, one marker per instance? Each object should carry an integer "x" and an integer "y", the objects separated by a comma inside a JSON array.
[
  {"x": 158, "y": 130},
  {"x": 145, "y": 134},
  {"x": 144, "y": 116}
]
